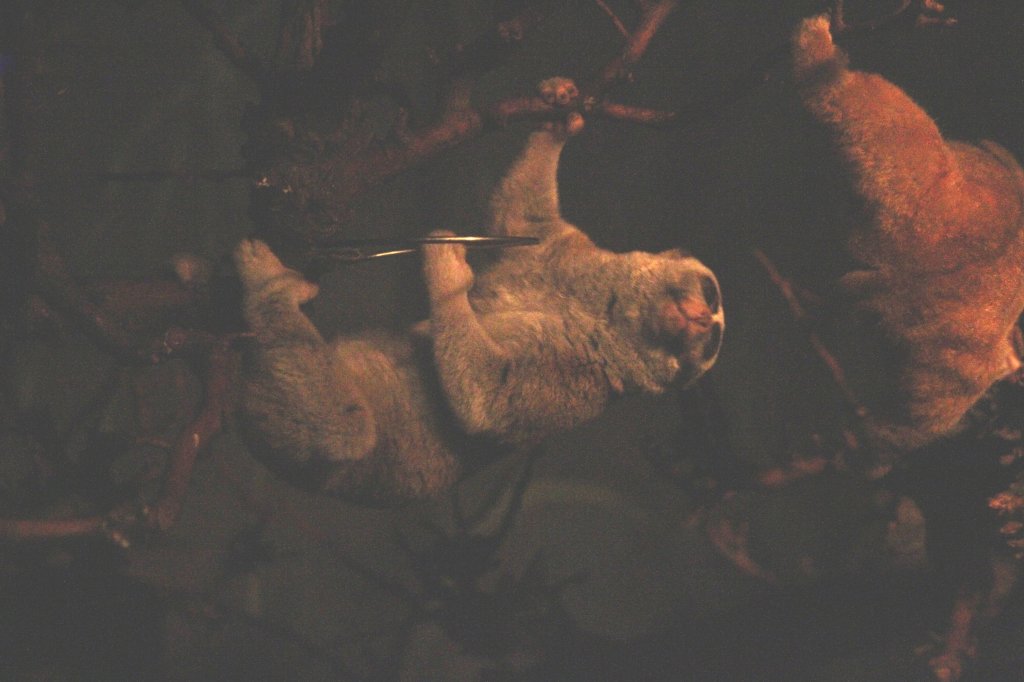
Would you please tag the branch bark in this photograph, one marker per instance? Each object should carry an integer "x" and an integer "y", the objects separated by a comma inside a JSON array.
[
  {"x": 652, "y": 16},
  {"x": 118, "y": 524},
  {"x": 219, "y": 370}
]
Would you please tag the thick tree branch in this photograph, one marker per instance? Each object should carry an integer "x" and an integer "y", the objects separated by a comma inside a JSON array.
[
  {"x": 219, "y": 370},
  {"x": 118, "y": 524}
]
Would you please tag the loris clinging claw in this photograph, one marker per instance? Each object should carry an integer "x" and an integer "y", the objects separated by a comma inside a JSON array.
[
  {"x": 929, "y": 317},
  {"x": 539, "y": 342}
]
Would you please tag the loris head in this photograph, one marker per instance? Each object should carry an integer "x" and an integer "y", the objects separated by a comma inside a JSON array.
[{"x": 673, "y": 307}]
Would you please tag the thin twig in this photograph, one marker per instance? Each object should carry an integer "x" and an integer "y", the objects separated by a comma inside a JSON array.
[
  {"x": 61, "y": 292},
  {"x": 652, "y": 16},
  {"x": 926, "y": 13},
  {"x": 632, "y": 114},
  {"x": 37, "y": 529},
  {"x": 619, "y": 26},
  {"x": 732, "y": 542},
  {"x": 959, "y": 641},
  {"x": 800, "y": 315},
  {"x": 799, "y": 468}
]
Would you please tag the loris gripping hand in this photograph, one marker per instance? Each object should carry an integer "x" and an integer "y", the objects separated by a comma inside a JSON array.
[{"x": 448, "y": 276}]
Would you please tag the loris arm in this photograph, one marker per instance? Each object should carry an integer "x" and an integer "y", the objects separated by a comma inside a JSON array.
[
  {"x": 897, "y": 152},
  {"x": 515, "y": 375},
  {"x": 525, "y": 203}
]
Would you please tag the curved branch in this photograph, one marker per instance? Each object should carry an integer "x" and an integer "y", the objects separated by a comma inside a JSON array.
[
  {"x": 117, "y": 524},
  {"x": 616, "y": 22},
  {"x": 195, "y": 438},
  {"x": 785, "y": 288},
  {"x": 652, "y": 16}
]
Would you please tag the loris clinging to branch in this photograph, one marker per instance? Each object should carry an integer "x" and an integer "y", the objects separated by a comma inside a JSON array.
[
  {"x": 929, "y": 317},
  {"x": 537, "y": 343}
]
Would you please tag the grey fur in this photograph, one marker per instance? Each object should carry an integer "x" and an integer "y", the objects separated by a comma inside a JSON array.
[{"x": 537, "y": 343}]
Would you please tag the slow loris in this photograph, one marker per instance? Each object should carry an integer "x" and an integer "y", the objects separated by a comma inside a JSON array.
[
  {"x": 537, "y": 343},
  {"x": 930, "y": 312}
]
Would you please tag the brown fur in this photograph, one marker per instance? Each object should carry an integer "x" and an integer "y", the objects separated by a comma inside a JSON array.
[
  {"x": 930, "y": 314},
  {"x": 538, "y": 343}
]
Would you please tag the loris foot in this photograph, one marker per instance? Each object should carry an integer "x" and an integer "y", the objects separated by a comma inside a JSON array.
[
  {"x": 562, "y": 92},
  {"x": 558, "y": 91},
  {"x": 259, "y": 269},
  {"x": 812, "y": 44},
  {"x": 445, "y": 269}
]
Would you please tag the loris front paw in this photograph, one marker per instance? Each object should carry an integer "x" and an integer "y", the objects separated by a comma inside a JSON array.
[
  {"x": 562, "y": 92},
  {"x": 260, "y": 269},
  {"x": 812, "y": 44},
  {"x": 445, "y": 269}
]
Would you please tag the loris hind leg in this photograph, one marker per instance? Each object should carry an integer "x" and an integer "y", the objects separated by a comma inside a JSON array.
[
  {"x": 296, "y": 395},
  {"x": 525, "y": 202}
]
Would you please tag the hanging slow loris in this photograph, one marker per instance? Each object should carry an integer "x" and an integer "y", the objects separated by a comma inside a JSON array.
[
  {"x": 537, "y": 343},
  {"x": 930, "y": 312}
]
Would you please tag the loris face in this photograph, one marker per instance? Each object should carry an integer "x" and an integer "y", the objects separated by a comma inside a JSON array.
[{"x": 685, "y": 319}]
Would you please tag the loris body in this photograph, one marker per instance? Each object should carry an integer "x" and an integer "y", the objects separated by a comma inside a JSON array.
[
  {"x": 538, "y": 343},
  {"x": 930, "y": 315}
]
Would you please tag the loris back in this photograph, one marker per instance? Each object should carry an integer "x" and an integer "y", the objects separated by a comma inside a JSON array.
[
  {"x": 930, "y": 315},
  {"x": 537, "y": 343}
]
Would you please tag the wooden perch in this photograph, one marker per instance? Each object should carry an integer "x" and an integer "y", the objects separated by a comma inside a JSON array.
[
  {"x": 219, "y": 371},
  {"x": 332, "y": 181}
]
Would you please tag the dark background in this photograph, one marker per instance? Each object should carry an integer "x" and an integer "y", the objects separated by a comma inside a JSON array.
[{"x": 601, "y": 566}]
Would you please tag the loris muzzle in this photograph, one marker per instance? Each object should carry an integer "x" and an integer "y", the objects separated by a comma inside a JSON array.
[{"x": 536, "y": 343}]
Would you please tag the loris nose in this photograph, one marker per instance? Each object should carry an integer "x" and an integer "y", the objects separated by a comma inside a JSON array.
[{"x": 697, "y": 313}]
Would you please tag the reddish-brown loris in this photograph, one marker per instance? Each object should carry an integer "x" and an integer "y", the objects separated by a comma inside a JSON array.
[
  {"x": 538, "y": 342},
  {"x": 929, "y": 314}
]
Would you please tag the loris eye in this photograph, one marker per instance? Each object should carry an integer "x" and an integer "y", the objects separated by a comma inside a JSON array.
[{"x": 710, "y": 291}]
